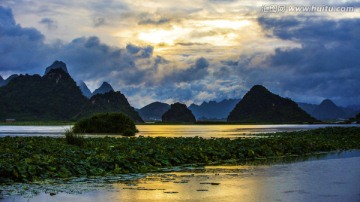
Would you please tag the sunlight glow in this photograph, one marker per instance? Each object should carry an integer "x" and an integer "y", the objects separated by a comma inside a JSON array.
[
  {"x": 159, "y": 36},
  {"x": 224, "y": 24},
  {"x": 179, "y": 33}
]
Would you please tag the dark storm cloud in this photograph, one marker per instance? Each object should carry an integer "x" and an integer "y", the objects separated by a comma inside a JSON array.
[
  {"x": 49, "y": 23},
  {"x": 306, "y": 29},
  {"x": 191, "y": 44},
  {"x": 94, "y": 59},
  {"x": 133, "y": 49},
  {"x": 24, "y": 51},
  {"x": 18, "y": 46},
  {"x": 230, "y": 62},
  {"x": 223, "y": 71},
  {"x": 6, "y": 17},
  {"x": 197, "y": 71},
  {"x": 99, "y": 21},
  {"x": 326, "y": 65},
  {"x": 153, "y": 22},
  {"x": 142, "y": 52},
  {"x": 153, "y": 19}
]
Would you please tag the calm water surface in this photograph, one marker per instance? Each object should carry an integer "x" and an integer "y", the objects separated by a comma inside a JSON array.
[
  {"x": 205, "y": 131},
  {"x": 333, "y": 178}
]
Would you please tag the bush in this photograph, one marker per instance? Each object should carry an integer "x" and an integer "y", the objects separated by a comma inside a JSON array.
[
  {"x": 74, "y": 139},
  {"x": 107, "y": 123}
]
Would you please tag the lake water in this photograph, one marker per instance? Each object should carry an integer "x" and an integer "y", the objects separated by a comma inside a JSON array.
[
  {"x": 205, "y": 131},
  {"x": 335, "y": 177}
]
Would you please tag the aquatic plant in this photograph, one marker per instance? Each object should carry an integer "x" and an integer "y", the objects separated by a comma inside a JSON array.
[
  {"x": 73, "y": 138},
  {"x": 38, "y": 158}
]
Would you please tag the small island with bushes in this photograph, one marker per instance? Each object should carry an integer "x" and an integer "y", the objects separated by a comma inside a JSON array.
[{"x": 118, "y": 123}]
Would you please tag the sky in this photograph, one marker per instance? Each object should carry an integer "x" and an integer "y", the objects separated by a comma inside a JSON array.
[{"x": 190, "y": 51}]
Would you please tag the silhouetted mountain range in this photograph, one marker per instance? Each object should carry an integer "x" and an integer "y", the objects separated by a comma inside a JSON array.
[
  {"x": 104, "y": 88},
  {"x": 109, "y": 102},
  {"x": 178, "y": 112},
  {"x": 57, "y": 65},
  {"x": 84, "y": 89},
  {"x": 2, "y": 81},
  {"x": 153, "y": 111},
  {"x": 309, "y": 108},
  {"x": 259, "y": 105},
  {"x": 6, "y": 81},
  {"x": 328, "y": 110},
  {"x": 55, "y": 96},
  {"x": 213, "y": 110}
]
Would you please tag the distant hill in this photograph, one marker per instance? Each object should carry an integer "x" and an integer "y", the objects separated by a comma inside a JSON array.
[
  {"x": 334, "y": 114},
  {"x": 354, "y": 107},
  {"x": 53, "y": 96},
  {"x": 109, "y": 102},
  {"x": 10, "y": 78},
  {"x": 327, "y": 110},
  {"x": 56, "y": 97},
  {"x": 213, "y": 110},
  {"x": 84, "y": 89},
  {"x": 178, "y": 113},
  {"x": 2, "y": 81},
  {"x": 153, "y": 111},
  {"x": 351, "y": 110},
  {"x": 309, "y": 108},
  {"x": 57, "y": 65},
  {"x": 259, "y": 105},
  {"x": 104, "y": 88}
]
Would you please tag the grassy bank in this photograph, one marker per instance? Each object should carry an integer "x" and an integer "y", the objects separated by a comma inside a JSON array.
[{"x": 37, "y": 158}]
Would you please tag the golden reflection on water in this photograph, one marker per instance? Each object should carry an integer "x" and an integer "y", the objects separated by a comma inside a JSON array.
[
  {"x": 240, "y": 184},
  {"x": 335, "y": 178},
  {"x": 153, "y": 130},
  {"x": 330, "y": 180},
  {"x": 208, "y": 131}
]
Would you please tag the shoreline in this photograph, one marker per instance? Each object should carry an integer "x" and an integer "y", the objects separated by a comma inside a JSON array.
[
  {"x": 159, "y": 181},
  {"x": 64, "y": 123},
  {"x": 28, "y": 159}
]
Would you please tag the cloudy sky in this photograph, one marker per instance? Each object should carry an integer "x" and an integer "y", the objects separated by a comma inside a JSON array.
[{"x": 190, "y": 50}]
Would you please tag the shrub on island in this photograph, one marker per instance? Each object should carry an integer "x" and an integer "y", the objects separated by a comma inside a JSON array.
[{"x": 106, "y": 123}]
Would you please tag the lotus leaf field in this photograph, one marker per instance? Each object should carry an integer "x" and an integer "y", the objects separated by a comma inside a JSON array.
[{"x": 28, "y": 159}]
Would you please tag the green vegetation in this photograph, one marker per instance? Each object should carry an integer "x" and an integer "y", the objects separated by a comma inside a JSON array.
[
  {"x": 73, "y": 138},
  {"x": 37, "y": 158},
  {"x": 106, "y": 123}
]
